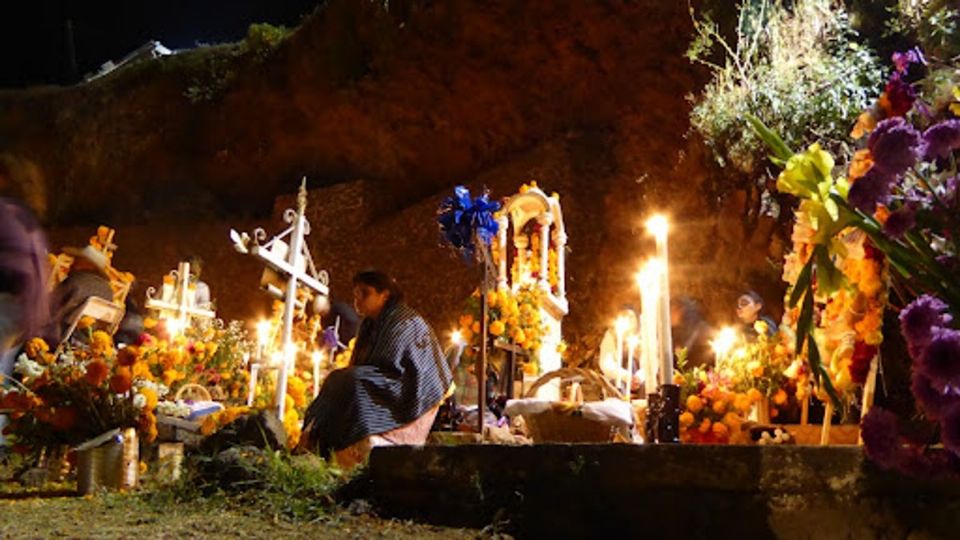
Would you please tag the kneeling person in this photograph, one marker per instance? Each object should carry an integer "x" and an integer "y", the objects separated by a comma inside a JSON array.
[{"x": 397, "y": 373}]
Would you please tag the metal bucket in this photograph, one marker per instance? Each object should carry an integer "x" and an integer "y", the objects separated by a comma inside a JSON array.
[{"x": 112, "y": 465}]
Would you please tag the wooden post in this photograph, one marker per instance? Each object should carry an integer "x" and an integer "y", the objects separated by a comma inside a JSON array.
[
  {"x": 827, "y": 421},
  {"x": 869, "y": 391}
]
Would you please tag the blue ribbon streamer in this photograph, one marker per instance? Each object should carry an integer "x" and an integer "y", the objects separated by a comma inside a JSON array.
[{"x": 463, "y": 220}]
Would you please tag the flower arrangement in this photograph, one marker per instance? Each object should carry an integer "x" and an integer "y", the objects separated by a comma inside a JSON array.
[
  {"x": 205, "y": 353},
  {"x": 902, "y": 193},
  {"x": 712, "y": 411},
  {"x": 761, "y": 365},
  {"x": 80, "y": 393},
  {"x": 513, "y": 317}
]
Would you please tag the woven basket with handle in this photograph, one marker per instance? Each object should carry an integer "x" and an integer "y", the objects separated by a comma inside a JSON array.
[
  {"x": 562, "y": 423},
  {"x": 193, "y": 392}
]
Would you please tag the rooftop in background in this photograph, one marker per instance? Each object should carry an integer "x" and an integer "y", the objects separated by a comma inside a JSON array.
[{"x": 35, "y": 48}]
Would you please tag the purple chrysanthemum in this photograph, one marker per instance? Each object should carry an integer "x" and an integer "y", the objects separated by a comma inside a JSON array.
[
  {"x": 941, "y": 357},
  {"x": 870, "y": 189},
  {"x": 901, "y": 221},
  {"x": 903, "y": 60},
  {"x": 881, "y": 437},
  {"x": 932, "y": 398},
  {"x": 917, "y": 321},
  {"x": 939, "y": 140},
  {"x": 950, "y": 430},
  {"x": 894, "y": 145}
]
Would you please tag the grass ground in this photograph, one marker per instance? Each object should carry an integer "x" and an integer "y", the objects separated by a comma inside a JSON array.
[{"x": 53, "y": 511}]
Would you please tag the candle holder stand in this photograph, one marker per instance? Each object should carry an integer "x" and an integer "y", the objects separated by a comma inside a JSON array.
[
  {"x": 650, "y": 430},
  {"x": 668, "y": 418}
]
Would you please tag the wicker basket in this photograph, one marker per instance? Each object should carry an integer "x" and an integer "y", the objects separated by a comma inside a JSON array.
[
  {"x": 556, "y": 425},
  {"x": 194, "y": 392}
]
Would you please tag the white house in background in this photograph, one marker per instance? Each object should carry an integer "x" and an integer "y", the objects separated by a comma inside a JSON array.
[{"x": 150, "y": 49}]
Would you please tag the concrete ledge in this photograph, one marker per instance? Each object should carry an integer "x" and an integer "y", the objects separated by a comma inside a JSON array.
[{"x": 670, "y": 491}]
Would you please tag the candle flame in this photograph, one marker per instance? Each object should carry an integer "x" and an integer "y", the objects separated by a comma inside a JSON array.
[
  {"x": 174, "y": 327},
  {"x": 657, "y": 225},
  {"x": 456, "y": 338},
  {"x": 649, "y": 275},
  {"x": 317, "y": 357},
  {"x": 263, "y": 331},
  {"x": 724, "y": 342},
  {"x": 620, "y": 325}
]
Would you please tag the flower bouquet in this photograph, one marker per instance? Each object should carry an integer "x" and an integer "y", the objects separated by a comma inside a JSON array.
[{"x": 78, "y": 394}]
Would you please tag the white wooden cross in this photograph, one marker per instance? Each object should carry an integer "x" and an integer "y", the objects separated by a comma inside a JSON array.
[
  {"x": 177, "y": 302},
  {"x": 295, "y": 263}
]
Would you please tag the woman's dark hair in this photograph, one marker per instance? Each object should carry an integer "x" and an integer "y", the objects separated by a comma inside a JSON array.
[
  {"x": 753, "y": 295},
  {"x": 380, "y": 282}
]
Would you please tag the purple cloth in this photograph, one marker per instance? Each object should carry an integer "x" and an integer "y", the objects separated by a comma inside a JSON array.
[{"x": 23, "y": 264}]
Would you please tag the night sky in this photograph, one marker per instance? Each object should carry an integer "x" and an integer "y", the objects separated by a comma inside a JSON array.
[{"x": 33, "y": 33}]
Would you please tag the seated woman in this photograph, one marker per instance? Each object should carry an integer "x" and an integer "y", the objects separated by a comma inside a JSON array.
[{"x": 396, "y": 377}]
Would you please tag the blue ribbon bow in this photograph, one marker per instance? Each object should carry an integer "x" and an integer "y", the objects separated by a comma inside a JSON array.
[{"x": 463, "y": 220}]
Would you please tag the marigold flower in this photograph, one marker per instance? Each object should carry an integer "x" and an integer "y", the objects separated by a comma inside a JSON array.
[
  {"x": 497, "y": 328},
  {"x": 97, "y": 372},
  {"x": 85, "y": 322},
  {"x": 127, "y": 356},
  {"x": 122, "y": 381},
  {"x": 686, "y": 419},
  {"x": 720, "y": 429},
  {"x": 101, "y": 344},
  {"x": 780, "y": 397},
  {"x": 694, "y": 404},
  {"x": 35, "y": 348}
]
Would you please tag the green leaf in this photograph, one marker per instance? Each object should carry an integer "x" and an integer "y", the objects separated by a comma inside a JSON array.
[
  {"x": 802, "y": 284},
  {"x": 779, "y": 148},
  {"x": 820, "y": 374},
  {"x": 805, "y": 319},
  {"x": 829, "y": 277}
]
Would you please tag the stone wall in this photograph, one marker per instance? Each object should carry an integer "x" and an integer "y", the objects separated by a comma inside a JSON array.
[{"x": 629, "y": 491}]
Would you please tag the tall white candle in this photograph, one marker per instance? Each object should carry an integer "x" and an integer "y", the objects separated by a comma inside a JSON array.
[
  {"x": 252, "y": 390},
  {"x": 657, "y": 225},
  {"x": 649, "y": 282},
  {"x": 620, "y": 327},
  {"x": 631, "y": 345}
]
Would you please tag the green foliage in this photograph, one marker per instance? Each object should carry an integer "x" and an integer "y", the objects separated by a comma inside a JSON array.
[
  {"x": 298, "y": 488},
  {"x": 933, "y": 24},
  {"x": 221, "y": 67},
  {"x": 795, "y": 65},
  {"x": 263, "y": 38}
]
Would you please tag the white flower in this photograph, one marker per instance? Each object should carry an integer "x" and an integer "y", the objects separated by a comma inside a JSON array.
[
  {"x": 139, "y": 401},
  {"x": 28, "y": 368}
]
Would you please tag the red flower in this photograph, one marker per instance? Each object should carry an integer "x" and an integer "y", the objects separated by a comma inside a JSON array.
[
  {"x": 97, "y": 372},
  {"x": 127, "y": 356},
  {"x": 64, "y": 418},
  {"x": 122, "y": 381},
  {"x": 860, "y": 362}
]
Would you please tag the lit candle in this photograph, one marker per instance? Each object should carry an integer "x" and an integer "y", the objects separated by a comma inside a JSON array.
[
  {"x": 723, "y": 344},
  {"x": 263, "y": 335},
  {"x": 657, "y": 225},
  {"x": 649, "y": 284},
  {"x": 252, "y": 391},
  {"x": 620, "y": 328},
  {"x": 631, "y": 345}
]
